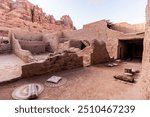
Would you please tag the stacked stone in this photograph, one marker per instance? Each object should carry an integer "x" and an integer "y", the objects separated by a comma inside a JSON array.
[{"x": 63, "y": 61}]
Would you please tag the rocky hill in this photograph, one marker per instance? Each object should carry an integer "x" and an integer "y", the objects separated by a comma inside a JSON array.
[{"x": 24, "y": 15}]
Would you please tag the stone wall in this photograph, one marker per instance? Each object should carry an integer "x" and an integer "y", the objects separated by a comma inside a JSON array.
[
  {"x": 55, "y": 63},
  {"x": 35, "y": 47},
  {"x": 129, "y": 28},
  {"x": 25, "y": 55},
  {"x": 53, "y": 39}
]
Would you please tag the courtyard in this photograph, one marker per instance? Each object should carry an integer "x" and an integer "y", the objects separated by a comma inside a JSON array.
[{"x": 88, "y": 83}]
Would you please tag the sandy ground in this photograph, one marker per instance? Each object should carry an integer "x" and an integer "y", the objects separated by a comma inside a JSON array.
[
  {"x": 10, "y": 67},
  {"x": 95, "y": 82}
]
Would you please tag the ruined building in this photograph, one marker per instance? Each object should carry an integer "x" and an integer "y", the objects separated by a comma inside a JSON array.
[{"x": 45, "y": 46}]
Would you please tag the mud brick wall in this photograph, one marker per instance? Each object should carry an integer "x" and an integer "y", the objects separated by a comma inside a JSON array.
[
  {"x": 97, "y": 30},
  {"x": 35, "y": 47},
  {"x": 26, "y": 35},
  {"x": 100, "y": 31},
  {"x": 75, "y": 44},
  {"x": 25, "y": 55},
  {"x": 55, "y": 63},
  {"x": 100, "y": 53},
  {"x": 128, "y": 28},
  {"x": 64, "y": 46},
  {"x": 53, "y": 39}
]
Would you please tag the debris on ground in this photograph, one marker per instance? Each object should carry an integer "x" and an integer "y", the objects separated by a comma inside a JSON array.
[
  {"x": 55, "y": 81},
  {"x": 28, "y": 91},
  {"x": 128, "y": 75},
  {"x": 125, "y": 78}
]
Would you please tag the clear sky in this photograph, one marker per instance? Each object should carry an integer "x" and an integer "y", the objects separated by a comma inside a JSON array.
[{"x": 86, "y": 11}]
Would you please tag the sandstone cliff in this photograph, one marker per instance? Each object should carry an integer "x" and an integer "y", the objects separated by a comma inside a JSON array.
[{"x": 27, "y": 16}]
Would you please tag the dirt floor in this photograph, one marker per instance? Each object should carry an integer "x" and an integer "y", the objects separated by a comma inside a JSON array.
[
  {"x": 90, "y": 83},
  {"x": 10, "y": 66}
]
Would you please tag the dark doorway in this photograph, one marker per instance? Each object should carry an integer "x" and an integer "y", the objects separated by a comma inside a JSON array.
[
  {"x": 84, "y": 44},
  {"x": 130, "y": 49}
]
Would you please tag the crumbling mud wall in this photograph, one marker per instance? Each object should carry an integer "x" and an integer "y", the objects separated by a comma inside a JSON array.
[
  {"x": 128, "y": 28},
  {"x": 66, "y": 45},
  {"x": 54, "y": 63},
  {"x": 100, "y": 31},
  {"x": 26, "y": 35},
  {"x": 25, "y": 55},
  {"x": 100, "y": 53},
  {"x": 53, "y": 39},
  {"x": 33, "y": 42},
  {"x": 35, "y": 47},
  {"x": 93, "y": 52}
]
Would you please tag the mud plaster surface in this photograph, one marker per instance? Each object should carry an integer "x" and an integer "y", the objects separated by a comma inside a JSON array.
[{"x": 10, "y": 67}]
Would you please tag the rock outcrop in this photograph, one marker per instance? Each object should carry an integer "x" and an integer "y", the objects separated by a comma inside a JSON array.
[
  {"x": 67, "y": 22},
  {"x": 24, "y": 12},
  {"x": 5, "y": 6}
]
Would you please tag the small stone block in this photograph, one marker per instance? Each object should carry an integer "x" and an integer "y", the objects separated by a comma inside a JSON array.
[{"x": 54, "y": 79}]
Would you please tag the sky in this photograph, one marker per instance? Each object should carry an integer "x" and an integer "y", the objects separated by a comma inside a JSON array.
[{"x": 87, "y": 11}]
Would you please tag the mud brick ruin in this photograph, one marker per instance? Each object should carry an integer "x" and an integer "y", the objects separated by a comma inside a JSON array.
[{"x": 45, "y": 45}]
